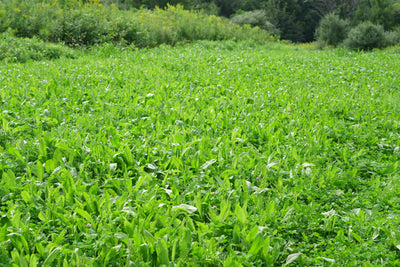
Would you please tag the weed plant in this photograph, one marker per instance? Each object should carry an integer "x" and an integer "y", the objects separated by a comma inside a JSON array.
[
  {"x": 207, "y": 154},
  {"x": 78, "y": 24},
  {"x": 13, "y": 49}
]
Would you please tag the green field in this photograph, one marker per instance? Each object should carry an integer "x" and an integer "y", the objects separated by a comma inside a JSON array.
[{"x": 206, "y": 154}]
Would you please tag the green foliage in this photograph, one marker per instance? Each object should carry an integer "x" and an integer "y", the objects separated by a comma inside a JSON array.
[
  {"x": 382, "y": 12},
  {"x": 93, "y": 23},
  {"x": 255, "y": 18},
  {"x": 393, "y": 37},
  {"x": 204, "y": 154},
  {"x": 31, "y": 18},
  {"x": 13, "y": 49},
  {"x": 148, "y": 4},
  {"x": 332, "y": 30},
  {"x": 295, "y": 19},
  {"x": 84, "y": 27},
  {"x": 365, "y": 36}
]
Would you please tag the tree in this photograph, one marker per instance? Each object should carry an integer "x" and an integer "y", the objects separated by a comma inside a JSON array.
[
  {"x": 295, "y": 19},
  {"x": 383, "y": 12}
]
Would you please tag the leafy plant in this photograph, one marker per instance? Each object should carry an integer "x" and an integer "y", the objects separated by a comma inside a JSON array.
[
  {"x": 366, "y": 36},
  {"x": 332, "y": 30},
  {"x": 13, "y": 49},
  {"x": 84, "y": 24},
  {"x": 255, "y": 18},
  {"x": 392, "y": 38},
  {"x": 203, "y": 154}
]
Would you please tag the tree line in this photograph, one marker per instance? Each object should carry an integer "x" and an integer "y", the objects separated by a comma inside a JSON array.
[{"x": 295, "y": 20}]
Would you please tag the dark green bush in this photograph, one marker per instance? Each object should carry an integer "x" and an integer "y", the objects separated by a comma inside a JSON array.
[
  {"x": 393, "y": 37},
  {"x": 366, "y": 36},
  {"x": 332, "y": 30},
  {"x": 255, "y": 18},
  {"x": 16, "y": 49}
]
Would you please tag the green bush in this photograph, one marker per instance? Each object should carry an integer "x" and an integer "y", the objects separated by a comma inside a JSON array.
[
  {"x": 332, "y": 30},
  {"x": 84, "y": 27},
  {"x": 393, "y": 37},
  {"x": 366, "y": 36},
  {"x": 3, "y": 22},
  {"x": 16, "y": 49},
  {"x": 255, "y": 18},
  {"x": 92, "y": 23},
  {"x": 29, "y": 18}
]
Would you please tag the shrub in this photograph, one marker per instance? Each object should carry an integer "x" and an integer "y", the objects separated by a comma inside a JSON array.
[
  {"x": 129, "y": 30},
  {"x": 392, "y": 37},
  {"x": 255, "y": 18},
  {"x": 92, "y": 23},
  {"x": 85, "y": 27},
  {"x": 366, "y": 36},
  {"x": 14, "y": 49},
  {"x": 332, "y": 30},
  {"x": 3, "y": 22}
]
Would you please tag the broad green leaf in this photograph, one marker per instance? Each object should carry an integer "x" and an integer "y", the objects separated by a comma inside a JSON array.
[
  {"x": 33, "y": 260},
  {"x": 241, "y": 214},
  {"x": 128, "y": 155},
  {"x": 50, "y": 165},
  {"x": 143, "y": 178},
  {"x": 185, "y": 242},
  {"x": 26, "y": 196},
  {"x": 40, "y": 170},
  {"x": 40, "y": 249},
  {"x": 85, "y": 215},
  {"x": 149, "y": 238},
  {"x": 252, "y": 234},
  {"x": 52, "y": 256},
  {"x": 16, "y": 153},
  {"x": 162, "y": 252},
  {"x": 256, "y": 245},
  {"x": 60, "y": 238},
  {"x": 225, "y": 210},
  {"x": 357, "y": 237},
  {"x": 15, "y": 255},
  {"x": 9, "y": 178}
]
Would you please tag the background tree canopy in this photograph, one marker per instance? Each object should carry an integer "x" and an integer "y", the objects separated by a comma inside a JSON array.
[{"x": 296, "y": 20}]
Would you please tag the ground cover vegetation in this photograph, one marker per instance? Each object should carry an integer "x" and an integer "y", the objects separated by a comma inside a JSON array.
[{"x": 211, "y": 153}]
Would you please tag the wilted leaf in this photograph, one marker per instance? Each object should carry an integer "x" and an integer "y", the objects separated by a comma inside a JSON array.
[
  {"x": 188, "y": 208},
  {"x": 292, "y": 257},
  {"x": 208, "y": 163},
  {"x": 328, "y": 260},
  {"x": 151, "y": 166}
]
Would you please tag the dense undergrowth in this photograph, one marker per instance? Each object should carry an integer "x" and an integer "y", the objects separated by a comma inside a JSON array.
[
  {"x": 77, "y": 24},
  {"x": 14, "y": 49},
  {"x": 213, "y": 153}
]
